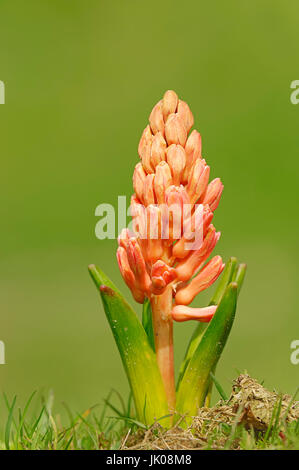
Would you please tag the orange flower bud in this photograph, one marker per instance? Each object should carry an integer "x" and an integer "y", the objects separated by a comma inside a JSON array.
[
  {"x": 188, "y": 266},
  {"x": 124, "y": 237},
  {"x": 193, "y": 152},
  {"x": 154, "y": 245},
  {"x": 148, "y": 193},
  {"x": 156, "y": 119},
  {"x": 137, "y": 265},
  {"x": 175, "y": 130},
  {"x": 185, "y": 115},
  {"x": 128, "y": 275},
  {"x": 162, "y": 181},
  {"x": 193, "y": 230},
  {"x": 176, "y": 199},
  {"x": 158, "y": 149},
  {"x": 177, "y": 195},
  {"x": 198, "y": 180},
  {"x": 169, "y": 103},
  {"x": 161, "y": 275},
  {"x": 144, "y": 149},
  {"x": 139, "y": 176},
  {"x": 138, "y": 214},
  {"x": 176, "y": 159},
  {"x": 213, "y": 194},
  {"x": 167, "y": 225}
]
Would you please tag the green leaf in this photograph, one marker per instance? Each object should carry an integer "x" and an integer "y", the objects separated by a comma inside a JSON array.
[
  {"x": 138, "y": 357},
  {"x": 196, "y": 380},
  {"x": 193, "y": 343},
  {"x": 239, "y": 275},
  {"x": 209, "y": 391},
  {"x": 235, "y": 273},
  {"x": 226, "y": 278},
  {"x": 148, "y": 323},
  {"x": 229, "y": 275}
]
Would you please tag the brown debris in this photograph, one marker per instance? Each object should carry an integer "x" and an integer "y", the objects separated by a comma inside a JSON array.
[
  {"x": 250, "y": 405},
  {"x": 158, "y": 438},
  {"x": 258, "y": 403}
]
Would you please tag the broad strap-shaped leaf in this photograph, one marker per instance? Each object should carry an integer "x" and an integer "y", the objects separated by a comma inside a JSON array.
[
  {"x": 193, "y": 343},
  {"x": 196, "y": 380},
  {"x": 236, "y": 274},
  {"x": 227, "y": 277},
  {"x": 137, "y": 355},
  {"x": 199, "y": 330},
  {"x": 239, "y": 275},
  {"x": 208, "y": 396},
  {"x": 232, "y": 272},
  {"x": 147, "y": 322}
]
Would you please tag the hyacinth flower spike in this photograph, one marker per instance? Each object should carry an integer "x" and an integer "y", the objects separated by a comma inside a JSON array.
[
  {"x": 171, "y": 173},
  {"x": 164, "y": 256}
]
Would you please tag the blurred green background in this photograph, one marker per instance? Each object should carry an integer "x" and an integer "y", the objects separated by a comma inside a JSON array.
[{"x": 81, "y": 79}]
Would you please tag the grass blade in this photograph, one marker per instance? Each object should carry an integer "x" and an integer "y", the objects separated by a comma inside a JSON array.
[
  {"x": 8, "y": 423},
  {"x": 36, "y": 423},
  {"x": 218, "y": 387},
  {"x": 22, "y": 418}
]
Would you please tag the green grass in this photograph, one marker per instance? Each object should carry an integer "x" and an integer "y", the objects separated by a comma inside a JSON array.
[
  {"x": 237, "y": 437},
  {"x": 108, "y": 425},
  {"x": 91, "y": 429}
]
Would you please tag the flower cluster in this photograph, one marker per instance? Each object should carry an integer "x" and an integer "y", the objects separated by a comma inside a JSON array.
[{"x": 172, "y": 234}]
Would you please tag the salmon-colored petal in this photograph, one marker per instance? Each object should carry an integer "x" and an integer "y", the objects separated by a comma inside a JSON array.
[
  {"x": 213, "y": 194},
  {"x": 185, "y": 114},
  {"x": 156, "y": 119},
  {"x": 176, "y": 159},
  {"x": 202, "y": 281},
  {"x": 182, "y": 313},
  {"x": 186, "y": 268},
  {"x": 163, "y": 180},
  {"x": 175, "y": 130},
  {"x": 169, "y": 103},
  {"x": 139, "y": 176},
  {"x": 128, "y": 275}
]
